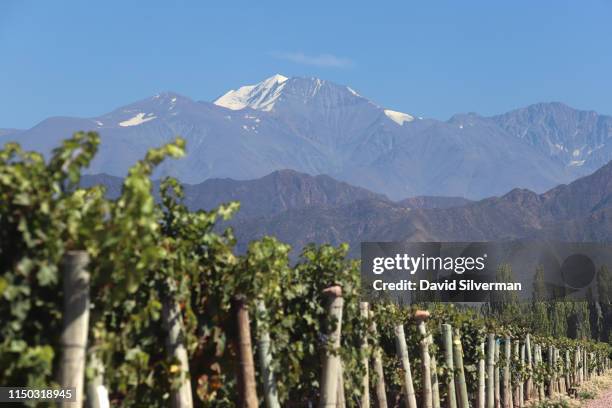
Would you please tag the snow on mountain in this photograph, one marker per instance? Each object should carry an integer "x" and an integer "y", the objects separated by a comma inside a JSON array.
[
  {"x": 260, "y": 96},
  {"x": 139, "y": 119},
  {"x": 398, "y": 117}
]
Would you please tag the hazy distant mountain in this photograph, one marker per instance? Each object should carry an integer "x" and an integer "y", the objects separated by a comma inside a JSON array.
[
  {"x": 318, "y": 127},
  {"x": 427, "y": 202},
  {"x": 5, "y": 132},
  {"x": 579, "y": 139},
  {"x": 580, "y": 211}
]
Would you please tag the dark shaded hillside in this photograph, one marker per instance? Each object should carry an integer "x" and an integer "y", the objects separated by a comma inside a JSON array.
[
  {"x": 580, "y": 211},
  {"x": 277, "y": 192},
  {"x": 280, "y": 191},
  {"x": 272, "y": 194}
]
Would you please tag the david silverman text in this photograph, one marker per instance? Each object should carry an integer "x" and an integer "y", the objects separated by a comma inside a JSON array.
[{"x": 464, "y": 284}]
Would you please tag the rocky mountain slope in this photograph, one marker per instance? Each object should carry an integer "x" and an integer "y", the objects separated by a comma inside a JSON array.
[
  {"x": 272, "y": 194},
  {"x": 298, "y": 209},
  {"x": 279, "y": 191},
  {"x": 579, "y": 211}
]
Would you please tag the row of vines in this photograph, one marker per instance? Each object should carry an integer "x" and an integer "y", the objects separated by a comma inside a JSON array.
[{"x": 142, "y": 302}]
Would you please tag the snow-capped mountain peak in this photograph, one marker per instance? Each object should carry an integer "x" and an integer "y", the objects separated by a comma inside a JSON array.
[
  {"x": 260, "y": 96},
  {"x": 398, "y": 117}
]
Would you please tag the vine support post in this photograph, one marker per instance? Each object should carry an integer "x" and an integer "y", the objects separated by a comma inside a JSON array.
[
  {"x": 576, "y": 374},
  {"x": 246, "y": 376},
  {"x": 559, "y": 375},
  {"x": 331, "y": 359},
  {"x": 585, "y": 364},
  {"x": 447, "y": 336},
  {"x": 529, "y": 386},
  {"x": 435, "y": 385},
  {"x": 507, "y": 400},
  {"x": 481, "y": 397},
  {"x": 365, "y": 385},
  {"x": 402, "y": 353},
  {"x": 551, "y": 380},
  {"x": 381, "y": 392},
  {"x": 568, "y": 368},
  {"x": 97, "y": 394},
  {"x": 458, "y": 360},
  {"x": 515, "y": 356},
  {"x": 579, "y": 363},
  {"x": 75, "y": 317},
  {"x": 496, "y": 375},
  {"x": 541, "y": 384},
  {"x": 265, "y": 359},
  {"x": 176, "y": 351},
  {"x": 490, "y": 395},
  {"x": 551, "y": 365},
  {"x": 521, "y": 381},
  {"x": 426, "y": 398},
  {"x": 535, "y": 373},
  {"x": 340, "y": 400}
]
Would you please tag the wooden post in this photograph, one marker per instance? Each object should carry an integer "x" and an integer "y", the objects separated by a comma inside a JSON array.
[
  {"x": 426, "y": 401},
  {"x": 265, "y": 360},
  {"x": 435, "y": 386},
  {"x": 447, "y": 336},
  {"x": 381, "y": 392},
  {"x": 541, "y": 385},
  {"x": 247, "y": 387},
  {"x": 558, "y": 376},
  {"x": 496, "y": 375},
  {"x": 97, "y": 394},
  {"x": 529, "y": 393},
  {"x": 580, "y": 366},
  {"x": 402, "y": 353},
  {"x": 521, "y": 382},
  {"x": 176, "y": 351},
  {"x": 568, "y": 368},
  {"x": 458, "y": 359},
  {"x": 507, "y": 395},
  {"x": 331, "y": 359},
  {"x": 75, "y": 318},
  {"x": 365, "y": 385},
  {"x": 551, "y": 381},
  {"x": 575, "y": 368},
  {"x": 481, "y": 397},
  {"x": 516, "y": 398},
  {"x": 490, "y": 374},
  {"x": 340, "y": 400}
]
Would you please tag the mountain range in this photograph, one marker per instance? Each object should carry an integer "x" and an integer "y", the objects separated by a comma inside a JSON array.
[
  {"x": 318, "y": 127},
  {"x": 299, "y": 208},
  {"x": 577, "y": 212},
  {"x": 275, "y": 193}
]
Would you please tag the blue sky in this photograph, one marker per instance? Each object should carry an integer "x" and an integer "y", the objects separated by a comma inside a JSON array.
[{"x": 429, "y": 58}]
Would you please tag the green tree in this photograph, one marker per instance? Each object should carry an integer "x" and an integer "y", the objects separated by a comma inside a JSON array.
[{"x": 540, "y": 317}]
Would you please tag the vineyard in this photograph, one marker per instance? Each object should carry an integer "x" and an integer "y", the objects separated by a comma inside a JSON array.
[{"x": 141, "y": 302}]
